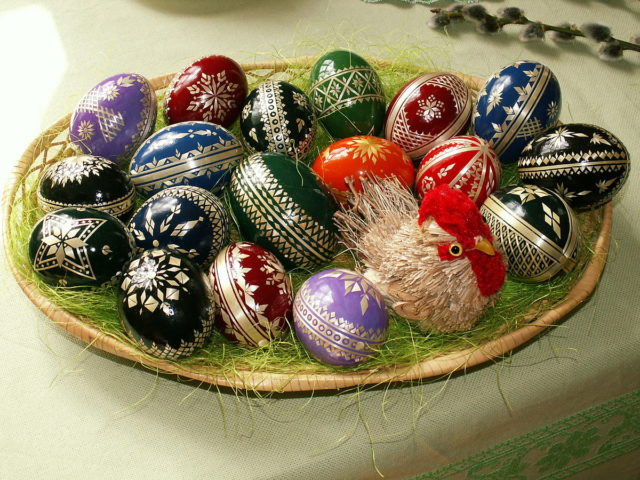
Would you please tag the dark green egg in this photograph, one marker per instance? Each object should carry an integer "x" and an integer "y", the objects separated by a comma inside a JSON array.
[
  {"x": 279, "y": 205},
  {"x": 535, "y": 229},
  {"x": 347, "y": 95},
  {"x": 79, "y": 247},
  {"x": 164, "y": 304}
]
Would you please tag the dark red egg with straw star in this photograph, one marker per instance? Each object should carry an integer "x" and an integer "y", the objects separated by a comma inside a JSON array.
[
  {"x": 427, "y": 111},
  {"x": 211, "y": 89}
]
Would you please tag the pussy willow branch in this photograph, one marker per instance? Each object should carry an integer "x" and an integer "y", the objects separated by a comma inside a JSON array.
[{"x": 458, "y": 16}]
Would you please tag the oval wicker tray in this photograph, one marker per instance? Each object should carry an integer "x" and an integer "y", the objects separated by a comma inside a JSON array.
[{"x": 279, "y": 382}]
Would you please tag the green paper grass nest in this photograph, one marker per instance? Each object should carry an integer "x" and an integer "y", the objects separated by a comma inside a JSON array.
[{"x": 284, "y": 365}]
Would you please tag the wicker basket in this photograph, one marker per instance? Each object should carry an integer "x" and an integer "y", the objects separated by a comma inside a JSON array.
[{"x": 53, "y": 144}]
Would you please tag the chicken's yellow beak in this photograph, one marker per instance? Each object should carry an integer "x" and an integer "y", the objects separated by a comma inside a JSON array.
[{"x": 484, "y": 246}]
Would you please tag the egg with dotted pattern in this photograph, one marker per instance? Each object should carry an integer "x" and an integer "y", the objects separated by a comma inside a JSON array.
[{"x": 278, "y": 117}]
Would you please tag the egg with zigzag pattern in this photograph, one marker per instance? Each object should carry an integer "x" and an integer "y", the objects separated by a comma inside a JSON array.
[{"x": 279, "y": 205}]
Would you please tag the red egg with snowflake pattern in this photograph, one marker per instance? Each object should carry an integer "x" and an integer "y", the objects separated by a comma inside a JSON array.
[
  {"x": 466, "y": 163},
  {"x": 211, "y": 89},
  {"x": 350, "y": 159},
  {"x": 427, "y": 111},
  {"x": 253, "y": 293}
]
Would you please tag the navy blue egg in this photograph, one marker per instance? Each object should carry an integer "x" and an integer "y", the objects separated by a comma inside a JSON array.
[
  {"x": 164, "y": 304},
  {"x": 188, "y": 220},
  {"x": 516, "y": 104},
  {"x": 200, "y": 154}
]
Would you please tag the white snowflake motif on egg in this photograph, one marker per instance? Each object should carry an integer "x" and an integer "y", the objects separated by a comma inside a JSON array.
[{"x": 431, "y": 108}]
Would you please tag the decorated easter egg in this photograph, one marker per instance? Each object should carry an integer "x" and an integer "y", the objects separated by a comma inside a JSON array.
[
  {"x": 535, "y": 229},
  {"x": 164, "y": 304},
  {"x": 188, "y": 220},
  {"x": 79, "y": 247},
  {"x": 86, "y": 181},
  {"x": 515, "y": 105},
  {"x": 585, "y": 164},
  {"x": 200, "y": 154},
  {"x": 211, "y": 89},
  {"x": 114, "y": 117},
  {"x": 351, "y": 159},
  {"x": 279, "y": 205},
  {"x": 278, "y": 117},
  {"x": 347, "y": 95},
  {"x": 466, "y": 163},
  {"x": 340, "y": 317},
  {"x": 427, "y": 111},
  {"x": 253, "y": 293}
]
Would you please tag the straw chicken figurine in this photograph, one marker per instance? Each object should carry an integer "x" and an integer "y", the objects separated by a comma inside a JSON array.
[{"x": 435, "y": 264}]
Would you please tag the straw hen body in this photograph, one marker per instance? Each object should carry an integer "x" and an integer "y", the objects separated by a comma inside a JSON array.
[{"x": 435, "y": 263}]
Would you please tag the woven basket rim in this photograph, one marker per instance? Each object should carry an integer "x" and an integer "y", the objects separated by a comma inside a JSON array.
[{"x": 287, "y": 382}]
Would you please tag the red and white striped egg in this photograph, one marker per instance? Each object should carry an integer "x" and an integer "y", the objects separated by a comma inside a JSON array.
[
  {"x": 466, "y": 163},
  {"x": 427, "y": 111},
  {"x": 252, "y": 291}
]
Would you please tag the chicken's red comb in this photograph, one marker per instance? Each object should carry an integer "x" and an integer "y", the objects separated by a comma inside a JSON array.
[{"x": 455, "y": 212}]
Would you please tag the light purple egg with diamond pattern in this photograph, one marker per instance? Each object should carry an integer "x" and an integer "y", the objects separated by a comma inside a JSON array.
[
  {"x": 340, "y": 317},
  {"x": 114, "y": 117}
]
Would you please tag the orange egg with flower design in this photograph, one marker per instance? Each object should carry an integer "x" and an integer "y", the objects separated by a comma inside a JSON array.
[{"x": 348, "y": 160}]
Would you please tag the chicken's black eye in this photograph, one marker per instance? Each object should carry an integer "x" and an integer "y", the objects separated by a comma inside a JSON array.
[{"x": 455, "y": 249}]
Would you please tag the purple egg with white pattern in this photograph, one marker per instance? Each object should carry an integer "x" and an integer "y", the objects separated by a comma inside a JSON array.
[
  {"x": 340, "y": 317},
  {"x": 114, "y": 117}
]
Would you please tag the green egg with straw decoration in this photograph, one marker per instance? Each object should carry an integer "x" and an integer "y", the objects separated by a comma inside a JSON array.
[
  {"x": 279, "y": 205},
  {"x": 347, "y": 95},
  {"x": 79, "y": 247}
]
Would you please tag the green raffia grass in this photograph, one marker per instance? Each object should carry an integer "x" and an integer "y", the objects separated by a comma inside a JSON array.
[{"x": 519, "y": 303}]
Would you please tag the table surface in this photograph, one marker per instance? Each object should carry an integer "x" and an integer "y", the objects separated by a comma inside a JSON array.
[{"x": 69, "y": 411}]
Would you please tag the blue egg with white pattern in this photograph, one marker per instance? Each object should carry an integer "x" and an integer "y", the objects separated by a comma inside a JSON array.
[
  {"x": 517, "y": 103},
  {"x": 187, "y": 220},
  {"x": 200, "y": 154}
]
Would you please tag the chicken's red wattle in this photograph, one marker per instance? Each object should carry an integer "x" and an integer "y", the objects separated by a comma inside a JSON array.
[{"x": 457, "y": 215}]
